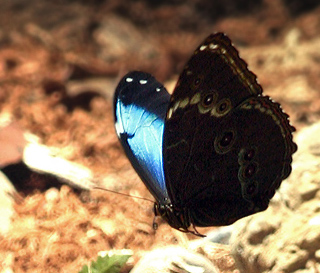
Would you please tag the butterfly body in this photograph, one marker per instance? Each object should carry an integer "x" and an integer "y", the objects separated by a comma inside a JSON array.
[{"x": 213, "y": 152}]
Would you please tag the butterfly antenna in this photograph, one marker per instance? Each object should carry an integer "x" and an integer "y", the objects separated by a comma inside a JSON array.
[{"x": 124, "y": 194}]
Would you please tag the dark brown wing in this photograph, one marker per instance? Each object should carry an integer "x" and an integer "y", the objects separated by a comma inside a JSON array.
[{"x": 226, "y": 148}]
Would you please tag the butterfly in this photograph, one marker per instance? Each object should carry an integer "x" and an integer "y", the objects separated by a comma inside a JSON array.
[{"x": 212, "y": 152}]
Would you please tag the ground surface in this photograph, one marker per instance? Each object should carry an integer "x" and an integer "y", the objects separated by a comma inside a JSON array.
[{"x": 59, "y": 65}]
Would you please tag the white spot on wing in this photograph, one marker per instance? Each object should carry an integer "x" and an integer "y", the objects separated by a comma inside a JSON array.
[
  {"x": 143, "y": 81},
  {"x": 184, "y": 103},
  {"x": 213, "y": 46},
  {"x": 195, "y": 99},
  {"x": 129, "y": 80},
  {"x": 203, "y": 47},
  {"x": 119, "y": 125},
  {"x": 119, "y": 128},
  {"x": 158, "y": 89},
  {"x": 175, "y": 106},
  {"x": 169, "y": 114}
]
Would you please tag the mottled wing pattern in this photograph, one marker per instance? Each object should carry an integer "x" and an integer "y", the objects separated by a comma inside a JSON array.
[{"x": 226, "y": 147}]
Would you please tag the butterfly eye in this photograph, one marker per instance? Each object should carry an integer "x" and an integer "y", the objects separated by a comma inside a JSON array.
[
  {"x": 251, "y": 189},
  {"x": 249, "y": 154},
  {"x": 250, "y": 170},
  {"x": 247, "y": 172},
  {"x": 197, "y": 81},
  {"x": 208, "y": 100},
  {"x": 223, "y": 143},
  {"x": 226, "y": 139},
  {"x": 223, "y": 107}
]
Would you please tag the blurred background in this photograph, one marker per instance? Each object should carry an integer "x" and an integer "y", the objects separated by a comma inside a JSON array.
[{"x": 60, "y": 62}]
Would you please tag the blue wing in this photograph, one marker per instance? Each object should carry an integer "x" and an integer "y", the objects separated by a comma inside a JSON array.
[{"x": 140, "y": 106}]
